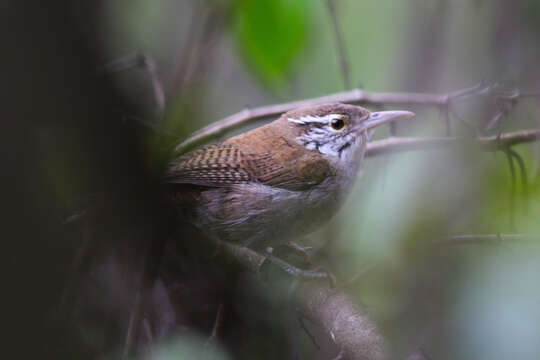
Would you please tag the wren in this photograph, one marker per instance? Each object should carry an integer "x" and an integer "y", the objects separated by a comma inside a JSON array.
[{"x": 267, "y": 186}]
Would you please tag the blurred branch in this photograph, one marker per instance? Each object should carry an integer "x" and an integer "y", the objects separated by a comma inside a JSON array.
[
  {"x": 342, "y": 319},
  {"x": 151, "y": 262},
  {"x": 487, "y": 143},
  {"x": 196, "y": 55},
  {"x": 346, "y": 323},
  {"x": 486, "y": 239},
  {"x": 340, "y": 44},
  {"x": 512, "y": 193},
  {"x": 149, "y": 338},
  {"x": 356, "y": 96},
  {"x": 141, "y": 61},
  {"x": 218, "y": 324},
  {"x": 524, "y": 177}
]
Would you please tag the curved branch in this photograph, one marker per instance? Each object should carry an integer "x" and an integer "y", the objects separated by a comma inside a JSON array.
[
  {"x": 356, "y": 96},
  {"x": 344, "y": 321}
]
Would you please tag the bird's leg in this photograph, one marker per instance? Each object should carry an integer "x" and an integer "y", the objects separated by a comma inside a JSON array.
[
  {"x": 303, "y": 252},
  {"x": 318, "y": 273}
]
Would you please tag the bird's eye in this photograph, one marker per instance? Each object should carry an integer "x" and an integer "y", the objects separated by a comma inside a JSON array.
[{"x": 337, "y": 123}]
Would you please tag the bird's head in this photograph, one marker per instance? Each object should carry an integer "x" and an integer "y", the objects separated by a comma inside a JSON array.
[{"x": 338, "y": 131}]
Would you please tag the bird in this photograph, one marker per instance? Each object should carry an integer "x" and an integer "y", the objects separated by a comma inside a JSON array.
[{"x": 278, "y": 182}]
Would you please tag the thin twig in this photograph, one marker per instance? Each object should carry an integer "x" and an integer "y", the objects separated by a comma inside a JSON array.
[
  {"x": 151, "y": 264},
  {"x": 340, "y": 44},
  {"x": 133, "y": 325},
  {"x": 465, "y": 123},
  {"x": 504, "y": 101},
  {"x": 487, "y": 143},
  {"x": 355, "y": 96},
  {"x": 512, "y": 193},
  {"x": 485, "y": 239},
  {"x": 197, "y": 53},
  {"x": 447, "y": 120},
  {"x": 75, "y": 217},
  {"x": 149, "y": 338},
  {"x": 524, "y": 178},
  {"x": 217, "y": 325},
  {"x": 146, "y": 62},
  {"x": 308, "y": 333},
  {"x": 359, "y": 275}
]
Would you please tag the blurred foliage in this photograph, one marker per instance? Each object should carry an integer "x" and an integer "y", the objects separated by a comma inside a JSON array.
[
  {"x": 189, "y": 347},
  {"x": 271, "y": 34}
]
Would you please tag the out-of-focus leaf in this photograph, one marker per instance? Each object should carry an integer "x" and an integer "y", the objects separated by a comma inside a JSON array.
[
  {"x": 270, "y": 34},
  {"x": 187, "y": 347}
]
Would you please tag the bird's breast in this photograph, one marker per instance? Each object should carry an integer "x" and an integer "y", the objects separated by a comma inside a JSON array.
[{"x": 259, "y": 215}]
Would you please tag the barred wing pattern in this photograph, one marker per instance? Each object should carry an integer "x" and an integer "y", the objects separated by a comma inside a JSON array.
[{"x": 223, "y": 165}]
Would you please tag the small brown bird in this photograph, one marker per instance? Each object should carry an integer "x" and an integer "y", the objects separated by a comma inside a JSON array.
[{"x": 277, "y": 182}]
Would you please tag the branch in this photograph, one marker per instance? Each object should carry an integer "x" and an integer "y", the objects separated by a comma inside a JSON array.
[
  {"x": 487, "y": 143},
  {"x": 340, "y": 44},
  {"x": 485, "y": 239},
  {"x": 343, "y": 320},
  {"x": 355, "y": 96},
  {"x": 142, "y": 61}
]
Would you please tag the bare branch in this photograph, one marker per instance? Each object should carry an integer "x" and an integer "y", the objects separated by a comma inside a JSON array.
[
  {"x": 133, "y": 325},
  {"x": 308, "y": 333},
  {"x": 149, "y": 338},
  {"x": 151, "y": 263},
  {"x": 345, "y": 322},
  {"x": 524, "y": 178},
  {"x": 218, "y": 324},
  {"x": 144, "y": 61},
  {"x": 487, "y": 143},
  {"x": 445, "y": 112},
  {"x": 512, "y": 194},
  {"x": 486, "y": 239},
  {"x": 356, "y": 96},
  {"x": 504, "y": 102}
]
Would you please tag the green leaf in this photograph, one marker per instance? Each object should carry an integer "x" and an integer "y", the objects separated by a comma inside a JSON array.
[{"x": 270, "y": 34}]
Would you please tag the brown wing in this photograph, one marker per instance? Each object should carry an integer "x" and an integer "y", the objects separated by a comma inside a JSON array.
[
  {"x": 222, "y": 165},
  {"x": 211, "y": 165}
]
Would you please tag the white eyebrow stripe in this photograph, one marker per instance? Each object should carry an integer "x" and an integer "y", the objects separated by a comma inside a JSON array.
[{"x": 309, "y": 119}]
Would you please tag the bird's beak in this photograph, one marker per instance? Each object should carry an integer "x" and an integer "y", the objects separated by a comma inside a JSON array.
[{"x": 382, "y": 117}]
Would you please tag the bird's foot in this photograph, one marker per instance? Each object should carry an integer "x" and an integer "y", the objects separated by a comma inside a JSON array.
[
  {"x": 298, "y": 273},
  {"x": 293, "y": 253}
]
